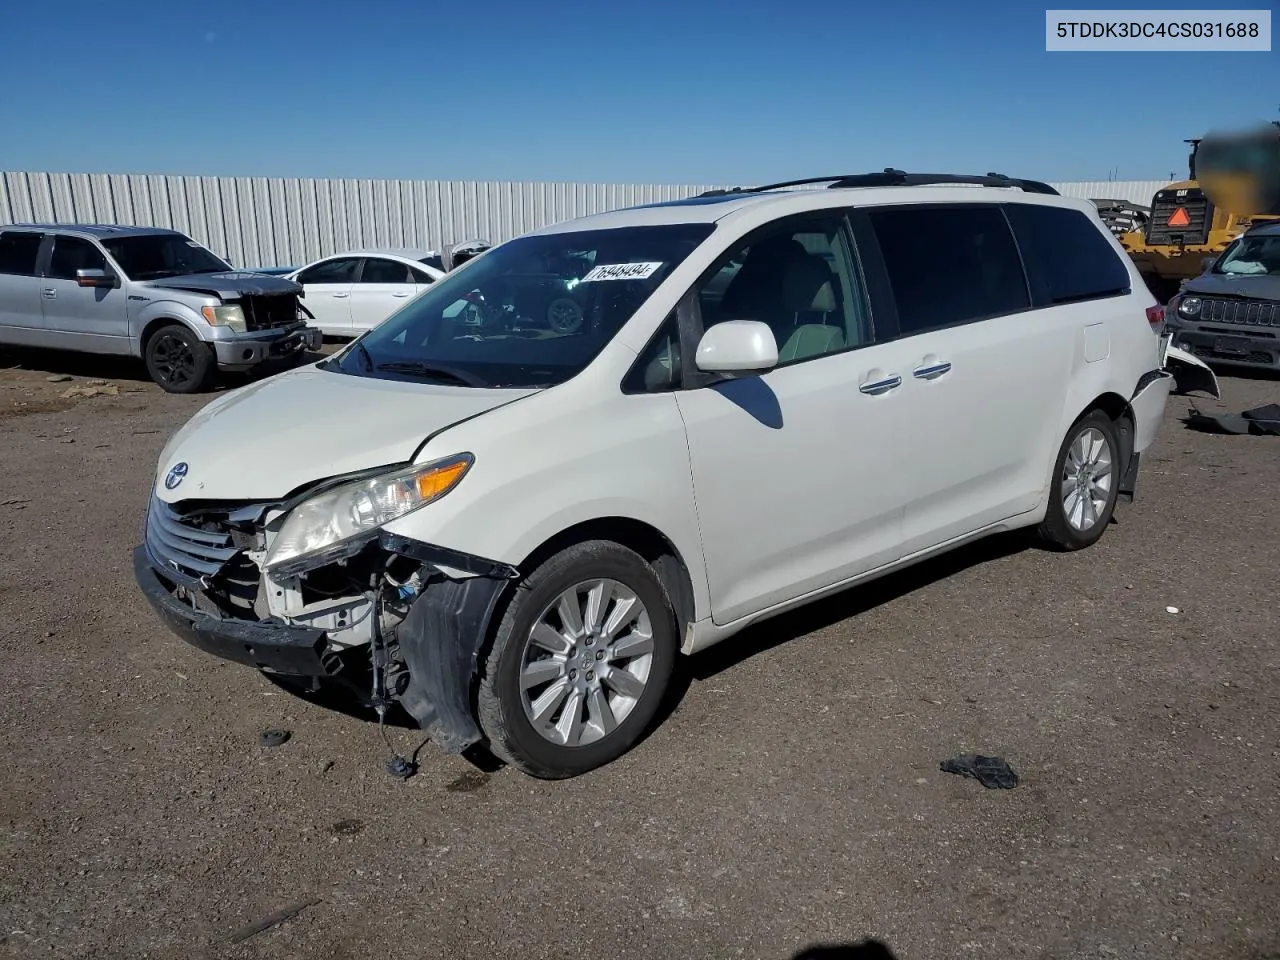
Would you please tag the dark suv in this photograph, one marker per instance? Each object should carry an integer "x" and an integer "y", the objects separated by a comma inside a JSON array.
[{"x": 1230, "y": 314}]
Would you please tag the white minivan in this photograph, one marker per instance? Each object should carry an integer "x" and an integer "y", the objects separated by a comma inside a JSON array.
[{"x": 514, "y": 528}]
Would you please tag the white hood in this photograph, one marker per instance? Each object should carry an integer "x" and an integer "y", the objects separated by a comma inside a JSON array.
[{"x": 266, "y": 440}]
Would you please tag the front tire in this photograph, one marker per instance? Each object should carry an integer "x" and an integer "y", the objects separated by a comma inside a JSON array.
[
  {"x": 178, "y": 360},
  {"x": 1085, "y": 484},
  {"x": 579, "y": 663}
]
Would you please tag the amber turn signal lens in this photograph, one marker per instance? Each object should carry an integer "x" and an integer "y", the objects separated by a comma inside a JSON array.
[{"x": 438, "y": 482}]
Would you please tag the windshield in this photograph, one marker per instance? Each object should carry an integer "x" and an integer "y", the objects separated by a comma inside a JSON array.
[
  {"x": 1252, "y": 255},
  {"x": 159, "y": 255},
  {"x": 532, "y": 312}
]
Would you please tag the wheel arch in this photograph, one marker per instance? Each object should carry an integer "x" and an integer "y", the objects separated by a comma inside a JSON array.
[
  {"x": 162, "y": 319},
  {"x": 645, "y": 539},
  {"x": 1120, "y": 413}
]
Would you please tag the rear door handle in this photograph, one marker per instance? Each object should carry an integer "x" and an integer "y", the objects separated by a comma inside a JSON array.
[
  {"x": 877, "y": 387},
  {"x": 339, "y": 296},
  {"x": 931, "y": 371},
  {"x": 399, "y": 294},
  {"x": 50, "y": 293}
]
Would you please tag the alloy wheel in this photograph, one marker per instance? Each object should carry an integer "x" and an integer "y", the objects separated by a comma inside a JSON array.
[
  {"x": 586, "y": 662},
  {"x": 1087, "y": 476}
]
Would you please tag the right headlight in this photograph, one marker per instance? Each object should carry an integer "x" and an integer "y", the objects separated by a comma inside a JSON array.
[
  {"x": 229, "y": 315},
  {"x": 338, "y": 522},
  {"x": 1189, "y": 307}
]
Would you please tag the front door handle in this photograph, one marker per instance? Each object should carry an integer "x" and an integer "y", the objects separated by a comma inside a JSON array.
[
  {"x": 931, "y": 371},
  {"x": 50, "y": 293},
  {"x": 339, "y": 296},
  {"x": 884, "y": 385}
]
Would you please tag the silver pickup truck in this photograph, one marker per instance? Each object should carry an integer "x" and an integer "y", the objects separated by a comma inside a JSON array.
[{"x": 149, "y": 293}]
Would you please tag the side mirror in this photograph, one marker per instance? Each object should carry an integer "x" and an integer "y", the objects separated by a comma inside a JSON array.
[
  {"x": 737, "y": 348},
  {"x": 95, "y": 278},
  {"x": 1207, "y": 263}
]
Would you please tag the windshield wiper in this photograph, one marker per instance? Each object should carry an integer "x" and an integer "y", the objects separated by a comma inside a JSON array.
[{"x": 431, "y": 371}]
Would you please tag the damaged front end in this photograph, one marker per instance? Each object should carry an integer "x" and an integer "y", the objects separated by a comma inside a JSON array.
[{"x": 386, "y": 617}]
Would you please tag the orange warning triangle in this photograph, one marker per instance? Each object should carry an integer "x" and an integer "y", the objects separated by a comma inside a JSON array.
[{"x": 1180, "y": 218}]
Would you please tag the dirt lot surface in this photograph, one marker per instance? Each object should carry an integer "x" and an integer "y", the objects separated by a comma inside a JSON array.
[{"x": 791, "y": 798}]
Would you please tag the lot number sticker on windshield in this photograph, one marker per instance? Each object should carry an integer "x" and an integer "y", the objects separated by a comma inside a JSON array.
[{"x": 622, "y": 271}]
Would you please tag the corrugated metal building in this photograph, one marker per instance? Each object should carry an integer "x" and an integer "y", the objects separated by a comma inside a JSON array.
[{"x": 260, "y": 221}]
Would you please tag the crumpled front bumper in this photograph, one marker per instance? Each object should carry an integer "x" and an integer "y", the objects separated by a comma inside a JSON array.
[
  {"x": 249, "y": 351},
  {"x": 439, "y": 641},
  {"x": 276, "y": 648}
]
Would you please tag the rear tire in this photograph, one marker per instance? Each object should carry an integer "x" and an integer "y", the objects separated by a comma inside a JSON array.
[
  {"x": 1084, "y": 485},
  {"x": 178, "y": 360},
  {"x": 580, "y": 662}
]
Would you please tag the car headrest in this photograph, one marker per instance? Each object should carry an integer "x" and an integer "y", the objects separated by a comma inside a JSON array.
[{"x": 807, "y": 286}]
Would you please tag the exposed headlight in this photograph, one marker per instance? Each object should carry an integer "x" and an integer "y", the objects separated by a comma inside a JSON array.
[
  {"x": 338, "y": 522},
  {"x": 230, "y": 316},
  {"x": 1189, "y": 306}
]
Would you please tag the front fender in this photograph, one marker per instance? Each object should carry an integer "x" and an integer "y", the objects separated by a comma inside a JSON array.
[
  {"x": 576, "y": 453},
  {"x": 167, "y": 310}
]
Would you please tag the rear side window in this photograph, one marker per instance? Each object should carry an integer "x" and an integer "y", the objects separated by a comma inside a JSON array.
[
  {"x": 1067, "y": 256},
  {"x": 71, "y": 254},
  {"x": 377, "y": 270},
  {"x": 949, "y": 265},
  {"x": 18, "y": 253}
]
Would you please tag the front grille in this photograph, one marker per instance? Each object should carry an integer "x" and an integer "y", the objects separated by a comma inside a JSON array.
[
  {"x": 1167, "y": 204},
  {"x": 266, "y": 312},
  {"x": 1251, "y": 313},
  {"x": 189, "y": 548},
  {"x": 1260, "y": 357}
]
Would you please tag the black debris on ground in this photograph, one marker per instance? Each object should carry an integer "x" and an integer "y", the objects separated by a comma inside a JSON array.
[
  {"x": 401, "y": 768},
  {"x": 273, "y": 737},
  {"x": 1260, "y": 421},
  {"x": 992, "y": 772},
  {"x": 271, "y": 920}
]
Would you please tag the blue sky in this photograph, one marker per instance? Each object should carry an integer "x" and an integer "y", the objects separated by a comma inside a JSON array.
[{"x": 660, "y": 91}]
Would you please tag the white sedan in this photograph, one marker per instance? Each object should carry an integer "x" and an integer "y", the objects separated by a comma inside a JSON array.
[{"x": 351, "y": 292}]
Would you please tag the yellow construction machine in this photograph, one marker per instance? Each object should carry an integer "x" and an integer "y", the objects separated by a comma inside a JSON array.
[{"x": 1234, "y": 182}]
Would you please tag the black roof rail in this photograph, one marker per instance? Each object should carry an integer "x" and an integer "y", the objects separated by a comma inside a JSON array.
[
  {"x": 772, "y": 186},
  {"x": 890, "y": 177}
]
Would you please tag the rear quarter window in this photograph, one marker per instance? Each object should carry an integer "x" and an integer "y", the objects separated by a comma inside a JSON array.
[{"x": 1068, "y": 257}]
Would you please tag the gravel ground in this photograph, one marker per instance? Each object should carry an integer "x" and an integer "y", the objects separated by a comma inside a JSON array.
[{"x": 792, "y": 797}]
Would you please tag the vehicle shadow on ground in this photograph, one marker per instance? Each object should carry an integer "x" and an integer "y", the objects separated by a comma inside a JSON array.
[
  {"x": 866, "y": 950},
  {"x": 850, "y": 603},
  {"x": 832, "y": 610},
  {"x": 73, "y": 364},
  {"x": 110, "y": 367},
  {"x": 1247, "y": 373},
  {"x": 754, "y": 640}
]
